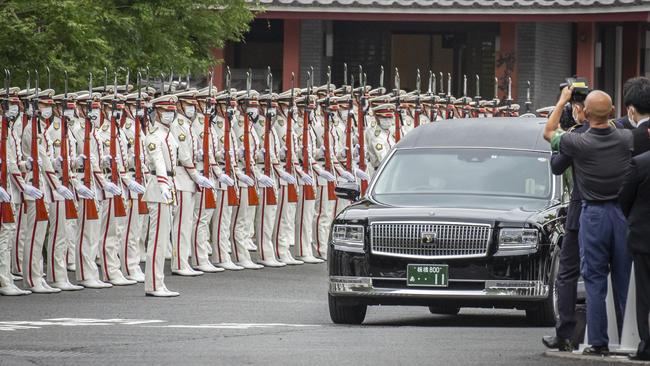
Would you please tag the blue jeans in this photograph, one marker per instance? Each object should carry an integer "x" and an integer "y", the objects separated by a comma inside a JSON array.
[{"x": 603, "y": 247}]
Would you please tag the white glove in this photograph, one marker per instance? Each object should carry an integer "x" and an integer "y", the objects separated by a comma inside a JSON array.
[
  {"x": 30, "y": 162},
  {"x": 199, "y": 155},
  {"x": 287, "y": 178},
  {"x": 347, "y": 176},
  {"x": 283, "y": 153},
  {"x": 106, "y": 161},
  {"x": 136, "y": 187},
  {"x": 204, "y": 182},
  {"x": 65, "y": 192},
  {"x": 225, "y": 179},
  {"x": 112, "y": 189},
  {"x": 361, "y": 174},
  {"x": 240, "y": 153},
  {"x": 85, "y": 192},
  {"x": 80, "y": 160},
  {"x": 166, "y": 193},
  {"x": 265, "y": 181},
  {"x": 4, "y": 196},
  {"x": 260, "y": 153},
  {"x": 33, "y": 192},
  {"x": 57, "y": 162},
  {"x": 306, "y": 179},
  {"x": 327, "y": 176},
  {"x": 245, "y": 179}
]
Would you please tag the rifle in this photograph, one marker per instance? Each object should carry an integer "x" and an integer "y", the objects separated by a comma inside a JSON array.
[
  {"x": 41, "y": 210},
  {"x": 398, "y": 109},
  {"x": 233, "y": 199},
  {"x": 292, "y": 193},
  {"x": 210, "y": 201},
  {"x": 331, "y": 186},
  {"x": 416, "y": 114},
  {"x": 253, "y": 199},
  {"x": 91, "y": 208},
  {"x": 361, "y": 124},
  {"x": 477, "y": 98},
  {"x": 496, "y": 100},
  {"x": 450, "y": 106},
  {"x": 7, "y": 216},
  {"x": 142, "y": 206},
  {"x": 49, "y": 86},
  {"x": 348, "y": 128},
  {"x": 271, "y": 199},
  {"x": 308, "y": 189},
  {"x": 528, "y": 101},
  {"x": 70, "y": 209},
  {"x": 120, "y": 210}
]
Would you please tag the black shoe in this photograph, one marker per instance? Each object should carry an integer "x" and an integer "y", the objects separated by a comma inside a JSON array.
[
  {"x": 638, "y": 357},
  {"x": 561, "y": 344},
  {"x": 596, "y": 351}
]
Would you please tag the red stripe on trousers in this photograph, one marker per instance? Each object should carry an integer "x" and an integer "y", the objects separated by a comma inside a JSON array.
[
  {"x": 320, "y": 212},
  {"x": 223, "y": 196},
  {"x": 108, "y": 221},
  {"x": 81, "y": 241},
  {"x": 302, "y": 214},
  {"x": 31, "y": 249},
  {"x": 16, "y": 246},
  {"x": 178, "y": 238},
  {"x": 261, "y": 231},
  {"x": 155, "y": 247},
  {"x": 279, "y": 216},
  {"x": 126, "y": 239},
  {"x": 56, "y": 231},
  {"x": 196, "y": 231},
  {"x": 234, "y": 220}
]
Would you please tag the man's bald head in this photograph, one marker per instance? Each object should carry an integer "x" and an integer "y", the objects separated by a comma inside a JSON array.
[{"x": 598, "y": 107}]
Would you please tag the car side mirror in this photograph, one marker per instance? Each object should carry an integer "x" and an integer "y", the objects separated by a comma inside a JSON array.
[{"x": 347, "y": 191}]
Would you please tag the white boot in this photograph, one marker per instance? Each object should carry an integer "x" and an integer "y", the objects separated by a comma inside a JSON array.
[
  {"x": 229, "y": 266},
  {"x": 66, "y": 286},
  {"x": 310, "y": 259},
  {"x": 95, "y": 284},
  {"x": 272, "y": 262},
  {"x": 188, "y": 272},
  {"x": 248, "y": 264},
  {"x": 13, "y": 290},
  {"x": 208, "y": 268}
]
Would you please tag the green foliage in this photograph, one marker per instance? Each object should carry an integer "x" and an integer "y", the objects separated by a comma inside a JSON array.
[{"x": 81, "y": 36}]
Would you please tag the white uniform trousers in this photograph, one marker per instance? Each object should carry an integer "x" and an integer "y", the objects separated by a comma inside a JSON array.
[
  {"x": 200, "y": 231},
  {"x": 242, "y": 224},
  {"x": 17, "y": 250},
  {"x": 86, "y": 246},
  {"x": 264, "y": 222},
  {"x": 144, "y": 237},
  {"x": 57, "y": 269},
  {"x": 130, "y": 240},
  {"x": 304, "y": 225},
  {"x": 33, "y": 237},
  {"x": 70, "y": 238},
  {"x": 109, "y": 246},
  {"x": 7, "y": 232},
  {"x": 159, "y": 238},
  {"x": 181, "y": 230},
  {"x": 220, "y": 230},
  {"x": 322, "y": 221},
  {"x": 284, "y": 229}
]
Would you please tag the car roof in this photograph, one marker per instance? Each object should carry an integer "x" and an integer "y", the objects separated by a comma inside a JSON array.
[{"x": 523, "y": 133}]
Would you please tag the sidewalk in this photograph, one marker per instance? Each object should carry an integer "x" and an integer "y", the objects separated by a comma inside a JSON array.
[{"x": 613, "y": 359}]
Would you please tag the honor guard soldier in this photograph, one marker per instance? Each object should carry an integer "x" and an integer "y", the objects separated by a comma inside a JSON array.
[
  {"x": 113, "y": 210},
  {"x": 223, "y": 146},
  {"x": 269, "y": 164},
  {"x": 186, "y": 181},
  {"x": 243, "y": 216},
  {"x": 134, "y": 128},
  {"x": 382, "y": 138},
  {"x": 43, "y": 177},
  {"x": 287, "y": 126},
  {"x": 62, "y": 152},
  {"x": 161, "y": 157},
  {"x": 87, "y": 165},
  {"x": 17, "y": 187}
]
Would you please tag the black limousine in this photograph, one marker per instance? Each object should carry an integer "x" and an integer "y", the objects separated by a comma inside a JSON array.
[{"x": 461, "y": 213}]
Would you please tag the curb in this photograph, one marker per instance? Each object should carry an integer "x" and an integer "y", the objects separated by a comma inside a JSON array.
[{"x": 612, "y": 359}]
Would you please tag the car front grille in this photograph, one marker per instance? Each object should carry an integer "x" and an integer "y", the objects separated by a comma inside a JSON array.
[{"x": 435, "y": 240}]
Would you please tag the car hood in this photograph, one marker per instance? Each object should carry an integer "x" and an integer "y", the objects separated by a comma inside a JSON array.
[{"x": 372, "y": 212}]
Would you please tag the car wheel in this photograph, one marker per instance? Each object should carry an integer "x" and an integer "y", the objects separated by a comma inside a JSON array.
[
  {"x": 546, "y": 313},
  {"x": 444, "y": 310},
  {"x": 344, "y": 313}
]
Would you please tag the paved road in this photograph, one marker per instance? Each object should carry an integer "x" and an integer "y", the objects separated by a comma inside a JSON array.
[{"x": 269, "y": 317}]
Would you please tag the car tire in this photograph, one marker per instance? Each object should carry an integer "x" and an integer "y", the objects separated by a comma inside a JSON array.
[
  {"x": 545, "y": 313},
  {"x": 341, "y": 313},
  {"x": 444, "y": 310}
]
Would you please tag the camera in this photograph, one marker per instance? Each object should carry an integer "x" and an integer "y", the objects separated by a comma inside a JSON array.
[{"x": 580, "y": 88}]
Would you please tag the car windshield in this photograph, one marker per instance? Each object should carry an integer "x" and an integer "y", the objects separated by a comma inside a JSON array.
[{"x": 465, "y": 177}]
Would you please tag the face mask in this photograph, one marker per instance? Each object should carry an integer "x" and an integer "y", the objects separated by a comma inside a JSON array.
[
  {"x": 46, "y": 112},
  {"x": 344, "y": 115},
  {"x": 13, "y": 111},
  {"x": 272, "y": 113},
  {"x": 117, "y": 114},
  {"x": 252, "y": 113},
  {"x": 190, "y": 111},
  {"x": 167, "y": 117},
  {"x": 94, "y": 115},
  {"x": 69, "y": 113},
  {"x": 385, "y": 123}
]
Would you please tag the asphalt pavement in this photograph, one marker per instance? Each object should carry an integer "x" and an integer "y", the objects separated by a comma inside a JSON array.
[{"x": 263, "y": 317}]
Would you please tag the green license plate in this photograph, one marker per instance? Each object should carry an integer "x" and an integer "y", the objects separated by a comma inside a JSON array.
[{"x": 433, "y": 275}]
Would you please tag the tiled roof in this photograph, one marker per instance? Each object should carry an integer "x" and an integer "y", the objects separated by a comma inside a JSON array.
[{"x": 465, "y": 6}]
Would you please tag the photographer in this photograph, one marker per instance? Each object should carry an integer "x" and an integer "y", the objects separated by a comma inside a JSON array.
[
  {"x": 601, "y": 157},
  {"x": 572, "y": 120}
]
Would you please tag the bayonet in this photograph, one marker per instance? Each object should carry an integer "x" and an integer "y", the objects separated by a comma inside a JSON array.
[
  {"x": 65, "y": 89},
  {"x": 464, "y": 86},
  {"x": 478, "y": 88},
  {"x": 449, "y": 84},
  {"x": 162, "y": 84},
  {"x": 187, "y": 80},
  {"x": 105, "y": 79},
  {"x": 345, "y": 73},
  {"x": 509, "y": 88},
  {"x": 381, "y": 76},
  {"x": 171, "y": 80},
  {"x": 49, "y": 78},
  {"x": 430, "y": 86},
  {"x": 128, "y": 77}
]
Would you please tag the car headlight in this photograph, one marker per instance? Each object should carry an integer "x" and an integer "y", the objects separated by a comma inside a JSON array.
[
  {"x": 348, "y": 238},
  {"x": 518, "y": 239}
]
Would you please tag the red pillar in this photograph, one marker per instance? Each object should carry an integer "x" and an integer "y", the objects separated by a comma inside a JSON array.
[
  {"x": 506, "y": 59},
  {"x": 586, "y": 51},
  {"x": 631, "y": 50},
  {"x": 290, "y": 52},
  {"x": 218, "y": 76}
]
